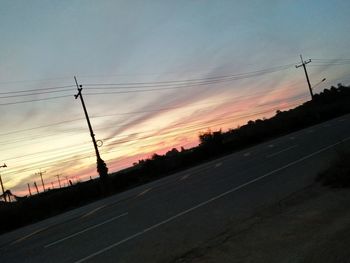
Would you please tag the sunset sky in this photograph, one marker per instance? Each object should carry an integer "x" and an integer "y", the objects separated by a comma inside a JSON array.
[{"x": 154, "y": 73}]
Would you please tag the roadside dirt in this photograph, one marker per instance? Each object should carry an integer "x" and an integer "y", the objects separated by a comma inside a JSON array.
[{"x": 310, "y": 226}]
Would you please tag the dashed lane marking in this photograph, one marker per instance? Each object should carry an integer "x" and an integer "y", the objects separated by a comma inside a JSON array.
[
  {"x": 185, "y": 177},
  {"x": 84, "y": 230},
  {"x": 281, "y": 151},
  {"x": 93, "y": 211},
  {"x": 218, "y": 165},
  {"x": 29, "y": 235},
  {"x": 144, "y": 192}
]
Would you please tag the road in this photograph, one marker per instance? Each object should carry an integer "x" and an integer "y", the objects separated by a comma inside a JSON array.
[{"x": 160, "y": 221}]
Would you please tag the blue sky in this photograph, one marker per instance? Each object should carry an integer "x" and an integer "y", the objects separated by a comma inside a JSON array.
[
  {"x": 45, "y": 43},
  {"x": 48, "y": 39}
]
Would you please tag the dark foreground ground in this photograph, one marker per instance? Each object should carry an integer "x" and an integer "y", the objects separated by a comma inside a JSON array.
[{"x": 312, "y": 225}]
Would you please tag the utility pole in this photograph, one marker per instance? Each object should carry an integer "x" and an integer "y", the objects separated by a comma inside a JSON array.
[
  {"x": 42, "y": 180},
  {"x": 303, "y": 64},
  {"x": 36, "y": 187},
  {"x": 2, "y": 186},
  {"x": 101, "y": 165},
  {"x": 30, "y": 192},
  {"x": 59, "y": 181},
  {"x": 3, "y": 190}
]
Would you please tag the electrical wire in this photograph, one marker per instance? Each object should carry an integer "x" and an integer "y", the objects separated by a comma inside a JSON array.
[
  {"x": 192, "y": 80},
  {"x": 234, "y": 99},
  {"x": 34, "y": 100},
  {"x": 31, "y": 90},
  {"x": 32, "y": 94}
]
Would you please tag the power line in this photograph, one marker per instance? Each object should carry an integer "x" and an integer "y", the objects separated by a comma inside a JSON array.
[
  {"x": 331, "y": 59},
  {"x": 41, "y": 127},
  {"x": 32, "y": 94},
  {"x": 330, "y": 64},
  {"x": 34, "y": 100},
  {"x": 118, "y": 92},
  {"x": 32, "y": 138},
  {"x": 160, "y": 87},
  {"x": 181, "y": 84},
  {"x": 192, "y": 80},
  {"x": 137, "y": 112},
  {"x": 64, "y": 148},
  {"x": 31, "y": 90},
  {"x": 49, "y": 162},
  {"x": 46, "y": 165},
  {"x": 165, "y": 86}
]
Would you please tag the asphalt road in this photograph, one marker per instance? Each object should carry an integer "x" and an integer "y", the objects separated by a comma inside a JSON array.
[{"x": 160, "y": 221}]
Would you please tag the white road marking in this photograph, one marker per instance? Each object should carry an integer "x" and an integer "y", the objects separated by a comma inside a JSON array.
[
  {"x": 291, "y": 137},
  {"x": 99, "y": 252},
  {"x": 29, "y": 235},
  {"x": 218, "y": 165},
  {"x": 271, "y": 145},
  {"x": 84, "y": 230},
  {"x": 281, "y": 151},
  {"x": 93, "y": 211},
  {"x": 246, "y": 154},
  {"x": 185, "y": 176},
  {"x": 144, "y": 192}
]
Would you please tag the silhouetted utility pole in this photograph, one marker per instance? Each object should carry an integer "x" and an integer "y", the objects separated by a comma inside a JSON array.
[
  {"x": 30, "y": 192},
  {"x": 59, "y": 181},
  {"x": 2, "y": 186},
  {"x": 36, "y": 187},
  {"x": 101, "y": 165},
  {"x": 42, "y": 180},
  {"x": 303, "y": 64},
  {"x": 3, "y": 190}
]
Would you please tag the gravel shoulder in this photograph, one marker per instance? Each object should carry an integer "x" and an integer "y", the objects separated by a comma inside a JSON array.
[{"x": 312, "y": 225}]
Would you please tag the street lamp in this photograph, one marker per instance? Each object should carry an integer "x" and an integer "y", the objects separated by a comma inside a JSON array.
[{"x": 318, "y": 83}]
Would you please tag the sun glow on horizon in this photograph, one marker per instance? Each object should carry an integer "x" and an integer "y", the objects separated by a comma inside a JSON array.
[{"x": 176, "y": 127}]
